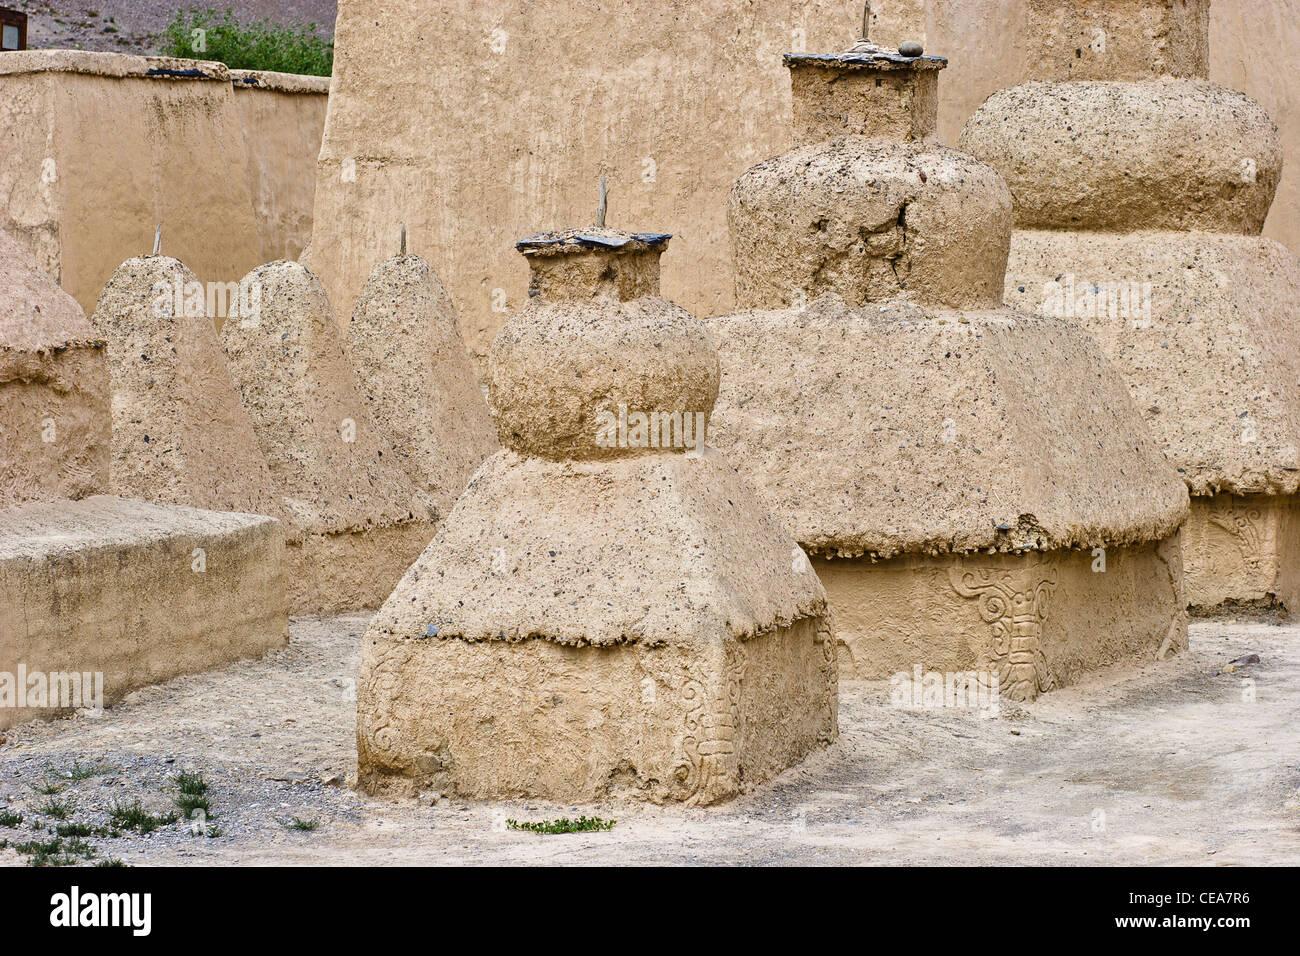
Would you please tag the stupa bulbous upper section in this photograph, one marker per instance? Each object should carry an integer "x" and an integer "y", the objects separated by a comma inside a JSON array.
[
  {"x": 598, "y": 365},
  {"x": 1127, "y": 133},
  {"x": 1174, "y": 154},
  {"x": 868, "y": 205}
]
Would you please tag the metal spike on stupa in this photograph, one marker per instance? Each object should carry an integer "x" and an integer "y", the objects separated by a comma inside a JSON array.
[
  {"x": 978, "y": 489},
  {"x": 607, "y": 610},
  {"x": 1141, "y": 190}
]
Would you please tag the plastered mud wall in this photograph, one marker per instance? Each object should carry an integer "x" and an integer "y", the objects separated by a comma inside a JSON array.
[
  {"x": 282, "y": 117},
  {"x": 101, "y": 147},
  {"x": 478, "y": 122}
]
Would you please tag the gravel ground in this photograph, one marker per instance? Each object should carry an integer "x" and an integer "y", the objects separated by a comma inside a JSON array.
[
  {"x": 1169, "y": 764},
  {"x": 130, "y": 26}
]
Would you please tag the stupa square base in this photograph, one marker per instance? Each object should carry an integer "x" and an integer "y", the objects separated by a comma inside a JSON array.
[
  {"x": 134, "y": 592},
  {"x": 538, "y": 719},
  {"x": 1242, "y": 552},
  {"x": 351, "y": 571},
  {"x": 1036, "y": 621}
]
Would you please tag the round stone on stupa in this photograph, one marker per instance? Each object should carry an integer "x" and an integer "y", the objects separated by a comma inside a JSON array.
[
  {"x": 978, "y": 491},
  {"x": 1140, "y": 193},
  {"x": 607, "y": 610}
]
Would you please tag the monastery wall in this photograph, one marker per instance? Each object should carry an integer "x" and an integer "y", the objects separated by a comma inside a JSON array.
[{"x": 101, "y": 147}]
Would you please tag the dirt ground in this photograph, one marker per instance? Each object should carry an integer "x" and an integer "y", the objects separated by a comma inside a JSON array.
[
  {"x": 130, "y": 26},
  {"x": 1172, "y": 764}
]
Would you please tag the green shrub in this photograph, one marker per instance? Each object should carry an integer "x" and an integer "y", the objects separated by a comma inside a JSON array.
[
  {"x": 262, "y": 45},
  {"x": 133, "y": 816},
  {"x": 563, "y": 825},
  {"x": 59, "y": 809},
  {"x": 193, "y": 789},
  {"x": 55, "y": 852}
]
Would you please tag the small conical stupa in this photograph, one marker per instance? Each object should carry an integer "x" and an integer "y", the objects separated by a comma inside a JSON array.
[
  {"x": 607, "y": 610},
  {"x": 358, "y": 520},
  {"x": 417, "y": 379},
  {"x": 180, "y": 435},
  {"x": 976, "y": 485},
  {"x": 1141, "y": 190}
]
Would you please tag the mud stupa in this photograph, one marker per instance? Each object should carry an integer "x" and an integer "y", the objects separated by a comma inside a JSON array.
[
  {"x": 101, "y": 594},
  {"x": 358, "y": 520},
  {"x": 607, "y": 611},
  {"x": 1140, "y": 192},
  {"x": 180, "y": 435},
  {"x": 975, "y": 484},
  {"x": 54, "y": 423},
  {"x": 417, "y": 380}
]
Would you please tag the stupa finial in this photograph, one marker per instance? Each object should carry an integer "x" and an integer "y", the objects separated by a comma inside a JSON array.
[
  {"x": 157, "y": 240},
  {"x": 863, "y": 43},
  {"x": 866, "y": 90},
  {"x": 603, "y": 206},
  {"x": 402, "y": 250}
]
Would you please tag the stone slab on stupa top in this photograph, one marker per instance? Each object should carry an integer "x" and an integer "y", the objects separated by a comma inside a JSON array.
[
  {"x": 866, "y": 90},
  {"x": 180, "y": 435},
  {"x": 591, "y": 239},
  {"x": 417, "y": 379},
  {"x": 606, "y": 570},
  {"x": 596, "y": 261}
]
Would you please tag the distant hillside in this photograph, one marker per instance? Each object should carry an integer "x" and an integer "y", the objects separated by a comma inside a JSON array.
[{"x": 132, "y": 26}]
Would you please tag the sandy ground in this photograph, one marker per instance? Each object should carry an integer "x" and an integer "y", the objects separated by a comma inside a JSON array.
[
  {"x": 1172, "y": 764},
  {"x": 130, "y": 26}
]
